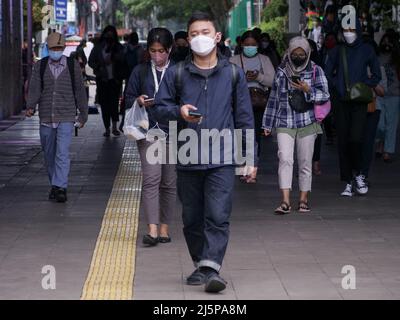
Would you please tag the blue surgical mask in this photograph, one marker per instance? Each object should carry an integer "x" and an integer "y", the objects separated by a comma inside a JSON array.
[
  {"x": 55, "y": 55},
  {"x": 250, "y": 51}
]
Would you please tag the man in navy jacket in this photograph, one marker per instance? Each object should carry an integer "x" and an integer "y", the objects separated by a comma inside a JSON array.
[
  {"x": 205, "y": 186},
  {"x": 351, "y": 117}
]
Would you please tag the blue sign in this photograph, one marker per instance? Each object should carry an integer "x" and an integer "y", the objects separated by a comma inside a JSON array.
[{"x": 61, "y": 8}]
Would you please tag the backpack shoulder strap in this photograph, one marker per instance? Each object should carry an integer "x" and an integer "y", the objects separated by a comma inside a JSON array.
[
  {"x": 71, "y": 69},
  {"x": 345, "y": 67},
  {"x": 43, "y": 64},
  {"x": 178, "y": 80}
]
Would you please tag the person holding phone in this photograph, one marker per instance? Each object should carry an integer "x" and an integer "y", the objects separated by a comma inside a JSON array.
[
  {"x": 159, "y": 180},
  {"x": 260, "y": 74},
  {"x": 299, "y": 84},
  {"x": 205, "y": 187}
]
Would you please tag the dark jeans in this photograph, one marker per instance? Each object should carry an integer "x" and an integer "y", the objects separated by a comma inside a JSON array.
[
  {"x": 369, "y": 141},
  {"x": 108, "y": 94},
  {"x": 351, "y": 120},
  {"x": 206, "y": 197}
]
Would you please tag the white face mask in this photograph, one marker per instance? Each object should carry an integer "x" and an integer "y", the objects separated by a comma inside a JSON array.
[
  {"x": 350, "y": 37},
  {"x": 202, "y": 45}
]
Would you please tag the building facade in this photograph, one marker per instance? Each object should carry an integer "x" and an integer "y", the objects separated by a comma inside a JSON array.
[{"x": 11, "y": 32}]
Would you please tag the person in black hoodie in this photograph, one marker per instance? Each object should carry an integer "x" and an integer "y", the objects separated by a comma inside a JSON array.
[
  {"x": 351, "y": 117},
  {"x": 108, "y": 63}
]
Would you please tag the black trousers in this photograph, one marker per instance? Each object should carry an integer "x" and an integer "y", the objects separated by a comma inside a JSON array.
[
  {"x": 369, "y": 141},
  {"x": 351, "y": 120},
  {"x": 317, "y": 148},
  {"x": 108, "y": 93}
]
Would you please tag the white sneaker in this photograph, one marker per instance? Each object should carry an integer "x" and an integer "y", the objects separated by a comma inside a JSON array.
[
  {"x": 348, "y": 192},
  {"x": 361, "y": 185}
]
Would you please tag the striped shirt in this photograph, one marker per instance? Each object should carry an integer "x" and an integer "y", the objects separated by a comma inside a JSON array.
[{"x": 279, "y": 114}]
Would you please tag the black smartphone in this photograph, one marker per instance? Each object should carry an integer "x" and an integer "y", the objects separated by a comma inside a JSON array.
[
  {"x": 296, "y": 79},
  {"x": 195, "y": 114}
]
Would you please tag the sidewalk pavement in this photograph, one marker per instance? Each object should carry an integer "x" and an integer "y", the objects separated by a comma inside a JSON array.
[
  {"x": 295, "y": 256},
  {"x": 269, "y": 257},
  {"x": 35, "y": 232}
]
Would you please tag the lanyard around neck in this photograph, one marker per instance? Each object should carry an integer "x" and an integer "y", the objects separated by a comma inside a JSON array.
[{"x": 156, "y": 83}]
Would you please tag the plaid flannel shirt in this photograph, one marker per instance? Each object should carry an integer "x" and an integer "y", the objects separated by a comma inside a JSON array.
[{"x": 279, "y": 114}]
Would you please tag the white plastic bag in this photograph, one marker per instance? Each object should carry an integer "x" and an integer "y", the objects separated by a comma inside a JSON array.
[{"x": 136, "y": 123}]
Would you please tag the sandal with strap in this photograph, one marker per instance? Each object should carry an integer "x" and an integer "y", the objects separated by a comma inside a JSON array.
[
  {"x": 283, "y": 209},
  {"x": 304, "y": 207}
]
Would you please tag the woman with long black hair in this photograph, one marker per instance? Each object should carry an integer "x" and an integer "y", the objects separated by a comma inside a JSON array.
[{"x": 159, "y": 180}]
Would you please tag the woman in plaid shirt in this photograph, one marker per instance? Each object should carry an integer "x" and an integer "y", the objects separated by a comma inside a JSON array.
[{"x": 298, "y": 85}]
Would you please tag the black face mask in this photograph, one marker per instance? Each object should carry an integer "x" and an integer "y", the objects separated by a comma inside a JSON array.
[
  {"x": 387, "y": 48},
  {"x": 298, "y": 62},
  {"x": 182, "y": 52}
]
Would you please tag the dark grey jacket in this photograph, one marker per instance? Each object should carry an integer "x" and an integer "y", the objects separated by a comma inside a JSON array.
[{"x": 56, "y": 100}]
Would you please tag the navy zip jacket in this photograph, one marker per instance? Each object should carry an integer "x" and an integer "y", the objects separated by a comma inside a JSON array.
[
  {"x": 360, "y": 56},
  {"x": 134, "y": 90},
  {"x": 213, "y": 97}
]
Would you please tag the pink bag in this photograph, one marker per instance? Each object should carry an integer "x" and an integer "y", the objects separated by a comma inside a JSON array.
[{"x": 321, "y": 111}]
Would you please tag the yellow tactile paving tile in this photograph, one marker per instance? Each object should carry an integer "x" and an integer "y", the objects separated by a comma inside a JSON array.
[{"x": 112, "y": 268}]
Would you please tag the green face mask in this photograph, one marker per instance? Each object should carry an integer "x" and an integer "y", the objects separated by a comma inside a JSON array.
[{"x": 250, "y": 51}]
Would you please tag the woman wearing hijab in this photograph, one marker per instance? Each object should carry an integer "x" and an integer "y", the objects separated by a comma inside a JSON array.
[
  {"x": 299, "y": 84},
  {"x": 159, "y": 180}
]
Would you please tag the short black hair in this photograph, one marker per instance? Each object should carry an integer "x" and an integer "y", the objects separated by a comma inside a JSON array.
[
  {"x": 251, "y": 34},
  {"x": 162, "y": 36},
  {"x": 181, "y": 35},
  {"x": 133, "y": 38},
  {"x": 201, "y": 16}
]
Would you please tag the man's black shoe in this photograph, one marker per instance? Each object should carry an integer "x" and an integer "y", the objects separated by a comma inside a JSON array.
[
  {"x": 197, "y": 278},
  {"x": 52, "y": 193},
  {"x": 61, "y": 195},
  {"x": 214, "y": 283}
]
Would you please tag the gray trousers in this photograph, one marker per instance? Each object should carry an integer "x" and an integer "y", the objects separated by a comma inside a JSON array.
[{"x": 158, "y": 202}]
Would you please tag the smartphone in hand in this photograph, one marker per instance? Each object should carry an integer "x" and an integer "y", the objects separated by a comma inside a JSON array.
[
  {"x": 150, "y": 100},
  {"x": 195, "y": 114},
  {"x": 296, "y": 79}
]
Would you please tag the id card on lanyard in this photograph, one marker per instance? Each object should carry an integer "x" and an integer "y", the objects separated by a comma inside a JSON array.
[{"x": 156, "y": 133}]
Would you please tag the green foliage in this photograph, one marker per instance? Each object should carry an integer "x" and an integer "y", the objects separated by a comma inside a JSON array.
[
  {"x": 276, "y": 9},
  {"x": 37, "y": 14},
  {"x": 180, "y": 10},
  {"x": 275, "y": 28}
]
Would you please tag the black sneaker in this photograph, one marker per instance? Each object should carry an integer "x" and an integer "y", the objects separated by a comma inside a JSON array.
[
  {"x": 197, "y": 278},
  {"x": 214, "y": 283},
  {"x": 52, "y": 193},
  {"x": 61, "y": 195}
]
